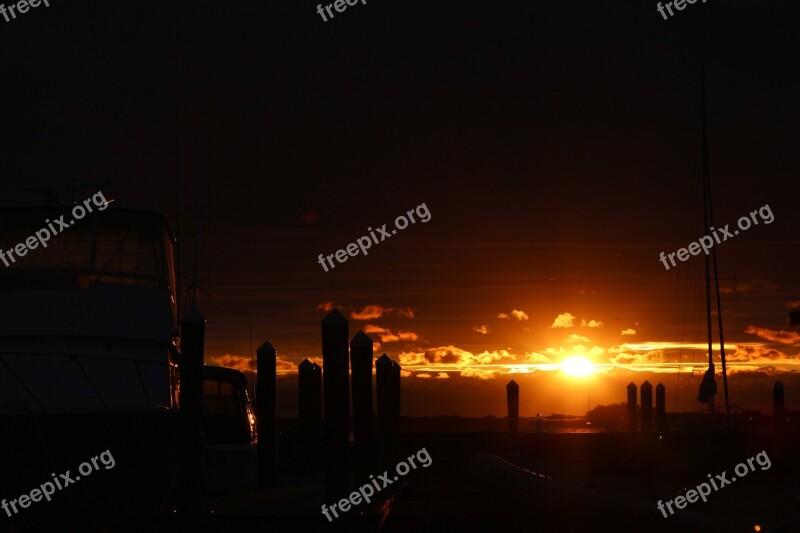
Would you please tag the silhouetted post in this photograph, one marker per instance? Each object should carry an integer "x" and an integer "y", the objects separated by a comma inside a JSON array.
[
  {"x": 336, "y": 402},
  {"x": 661, "y": 409},
  {"x": 647, "y": 408},
  {"x": 385, "y": 382},
  {"x": 265, "y": 412},
  {"x": 512, "y": 397},
  {"x": 361, "y": 364},
  {"x": 193, "y": 327},
  {"x": 631, "y": 407},
  {"x": 778, "y": 412},
  {"x": 309, "y": 405},
  {"x": 395, "y": 391}
]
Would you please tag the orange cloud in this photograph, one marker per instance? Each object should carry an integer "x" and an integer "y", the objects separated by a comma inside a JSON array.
[
  {"x": 483, "y": 330},
  {"x": 628, "y": 331},
  {"x": 783, "y": 337},
  {"x": 387, "y": 336},
  {"x": 515, "y": 314},
  {"x": 245, "y": 364},
  {"x": 591, "y": 324},
  {"x": 564, "y": 320},
  {"x": 326, "y": 306},
  {"x": 576, "y": 338},
  {"x": 376, "y": 311}
]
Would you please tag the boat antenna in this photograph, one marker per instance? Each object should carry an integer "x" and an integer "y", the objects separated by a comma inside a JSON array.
[
  {"x": 707, "y": 180},
  {"x": 708, "y": 387}
]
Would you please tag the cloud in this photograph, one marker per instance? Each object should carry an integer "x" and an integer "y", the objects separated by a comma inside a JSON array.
[
  {"x": 519, "y": 315},
  {"x": 564, "y": 320},
  {"x": 783, "y": 337},
  {"x": 628, "y": 331},
  {"x": 387, "y": 335},
  {"x": 576, "y": 338},
  {"x": 376, "y": 346},
  {"x": 483, "y": 330},
  {"x": 534, "y": 357},
  {"x": 245, "y": 364},
  {"x": 591, "y": 324},
  {"x": 406, "y": 373},
  {"x": 515, "y": 314},
  {"x": 577, "y": 350},
  {"x": 478, "y": 373},
  {"x": 423, "y": 376},
  {"x": 376, "y": 311},
  {"x": 627, "y": 358},
  {"x": 453, "y": 356},
  {"x": 443, "y": 375},
  {"x": 749, "y": 353},
  {"x": 754, "y": 286},
  {"x": 793, "y": 304},
  {"x": 326, "y": 306}
]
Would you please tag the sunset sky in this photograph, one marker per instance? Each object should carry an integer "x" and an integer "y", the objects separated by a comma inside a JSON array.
[{"x": 556, "y": 147}]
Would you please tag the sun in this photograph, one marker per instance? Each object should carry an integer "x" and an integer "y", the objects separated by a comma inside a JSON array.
[{"x": 577, "y": 367}]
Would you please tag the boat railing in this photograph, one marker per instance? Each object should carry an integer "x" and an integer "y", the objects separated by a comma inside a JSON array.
[{"x": 74, "y": 358}]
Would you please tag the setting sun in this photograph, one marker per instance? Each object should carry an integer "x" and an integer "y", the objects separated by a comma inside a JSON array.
[{"x": 577, "y": 367}]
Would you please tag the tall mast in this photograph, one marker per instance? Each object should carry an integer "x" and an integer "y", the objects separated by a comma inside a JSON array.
[
  {"x": 708, "y": 387},
  {"x": 707, "y": 179}
]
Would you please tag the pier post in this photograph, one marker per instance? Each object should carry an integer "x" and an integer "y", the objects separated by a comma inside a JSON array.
[
  {"x": 512, "y": 398},
  {"x": 661, "y": 409},
  {"x": 631, "y": 407},
  {"x": 395, "y": 391},
  {"x": 266, "y": 357},
  {"x": 309, "y": 406},
  {"x": 647, "y": 408},
  {"x": 361, "y": 364},
  {"x": 336, "y": 402}
]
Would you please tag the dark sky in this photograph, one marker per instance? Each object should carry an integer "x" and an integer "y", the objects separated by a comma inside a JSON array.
[{"x": 556, "y": 146}]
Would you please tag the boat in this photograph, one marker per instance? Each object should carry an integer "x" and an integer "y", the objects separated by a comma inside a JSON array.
[
  {"x": 89, "y": 345},
  {"x": 229, "y": 429},
  {"x": 708, "y": 386}
]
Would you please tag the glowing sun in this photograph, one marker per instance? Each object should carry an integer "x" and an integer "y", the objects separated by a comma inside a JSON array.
[{"x": 577, "y": 367}]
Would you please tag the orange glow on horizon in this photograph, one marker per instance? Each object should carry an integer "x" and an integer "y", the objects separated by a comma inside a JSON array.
[{"x": 577, "y": 367}]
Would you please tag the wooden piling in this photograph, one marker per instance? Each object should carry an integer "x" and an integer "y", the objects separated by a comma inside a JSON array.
[
  {"x": 266, "y": 357},
  {"x": 661, "y": 409},
  {"x": 631, "y": 407},
  {"x": 361, "y": 365},
  {"x": 647, "y": 408},
  {"x": 335, "y": 377},
  {"x": 309, "y": 405},
  {"x": 384, "y": 385},
  {"x": 512, "y": 398}
]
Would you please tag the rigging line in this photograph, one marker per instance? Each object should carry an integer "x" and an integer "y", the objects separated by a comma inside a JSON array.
[
  {"x": 252, "y": 368},
  {"x": 716, "y": 275},
  {"x": 706, "y": 214}
]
